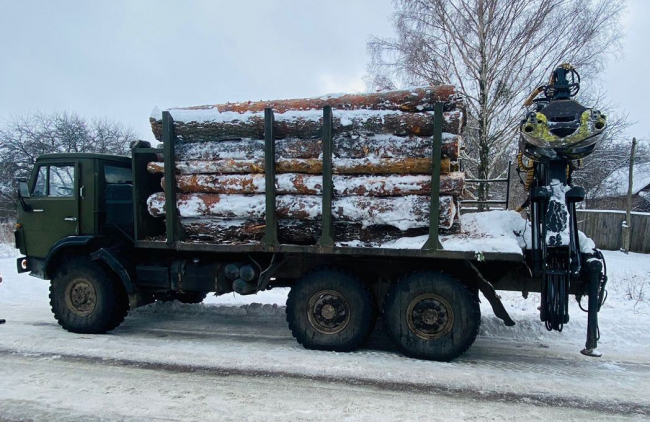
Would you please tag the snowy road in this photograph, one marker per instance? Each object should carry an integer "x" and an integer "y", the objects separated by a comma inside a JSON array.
[{"x": 173, "y": 362}]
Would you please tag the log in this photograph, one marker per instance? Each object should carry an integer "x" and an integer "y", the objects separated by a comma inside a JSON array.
[
  {"x": 297, "y": 183},
  {"x": 362, "y": 146},
  {"x": 308, "y": 166},
  {"x": 211, "y": 125},
  {"x": 300, "y": 232},
  {"x": 415, "y": 99},
  {"x": 405, "y": 212}
]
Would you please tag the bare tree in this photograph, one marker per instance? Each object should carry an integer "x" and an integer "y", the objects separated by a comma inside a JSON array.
[
  {"x": 496, "y": 52},
  {"x": 607, "y": 158},
  {"x": 24, "y": 138}
]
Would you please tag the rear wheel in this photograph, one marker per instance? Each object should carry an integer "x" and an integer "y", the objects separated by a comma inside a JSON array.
[
  {"x": 87, "y": 299},
  {"x": 431, "y": 315},
  {"x": 330, "y": 310}
]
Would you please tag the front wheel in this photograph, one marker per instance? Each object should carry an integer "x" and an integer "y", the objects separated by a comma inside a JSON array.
[
  {"x": 87, "y": 299},
  {"x": 431, "y": 315}
]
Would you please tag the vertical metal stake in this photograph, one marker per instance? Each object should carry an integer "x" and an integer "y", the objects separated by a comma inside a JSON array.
[
  {"x": 436, "y": 156},
  {"x": 327, "y": 236},
  {"x": 271, "y": 233},
  {"x": 172, "y": 223}
]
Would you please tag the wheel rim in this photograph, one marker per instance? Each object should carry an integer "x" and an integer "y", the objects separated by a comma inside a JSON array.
[
  {"x": 81, "y": 297},
  {"x": 430, "y": 316},
  {"x": 328, "y": 312}
]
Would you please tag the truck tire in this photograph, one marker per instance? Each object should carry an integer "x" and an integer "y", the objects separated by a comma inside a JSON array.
[
  {"x": 431, "y": 315},
  {"x": 330, "y": 310},
  {"x": 87, "y": 299}
]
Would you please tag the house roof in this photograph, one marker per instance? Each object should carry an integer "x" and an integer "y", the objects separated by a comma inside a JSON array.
[{"x": 616, "y": 184}]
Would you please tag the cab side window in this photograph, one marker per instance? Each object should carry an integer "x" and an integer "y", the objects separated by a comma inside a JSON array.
[
  {"x": 61, "y": 181},
  {"x": 119, "y": 175},
  {"x": 54, "y": 181}
]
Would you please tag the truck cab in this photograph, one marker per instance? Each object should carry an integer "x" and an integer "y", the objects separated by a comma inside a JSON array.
[{"x": 71, "y": 198}]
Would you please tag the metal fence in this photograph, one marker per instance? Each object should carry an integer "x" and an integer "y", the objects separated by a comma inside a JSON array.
[
  {"x": 605, "y": 228},
  {"x": 489, "y": 203}
]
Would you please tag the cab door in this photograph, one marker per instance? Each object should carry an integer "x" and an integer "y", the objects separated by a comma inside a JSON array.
[{"x": 52, "y": 211}]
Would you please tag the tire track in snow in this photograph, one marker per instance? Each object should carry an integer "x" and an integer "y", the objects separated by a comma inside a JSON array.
[{"x": 613, "y": 408}]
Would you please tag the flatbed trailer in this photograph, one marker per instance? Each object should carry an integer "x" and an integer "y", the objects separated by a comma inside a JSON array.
[{"x": 118, "y": 257}]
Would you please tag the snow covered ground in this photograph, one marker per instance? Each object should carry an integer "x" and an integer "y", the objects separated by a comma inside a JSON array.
[{"x": 234, "y": 358}]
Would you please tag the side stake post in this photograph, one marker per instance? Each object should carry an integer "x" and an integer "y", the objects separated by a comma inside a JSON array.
[
  {"x": 433, "y": 243},
  {"x": 172, "y": 223},
  {"x": 327, "y": 236},
  {"x": 271, "y": 230}
]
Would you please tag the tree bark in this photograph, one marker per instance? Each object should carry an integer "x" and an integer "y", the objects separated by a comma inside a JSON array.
[
  {"x": 300, "y": 232},
  {"x": 307, "y": 124},
  {"x": 417, "y": 99},
  {"x": 406, "y": 212},
  {"x": 362, "y": 146},
  {"x": 308, "y": 166},
  {"x": 304, "y": 184}
]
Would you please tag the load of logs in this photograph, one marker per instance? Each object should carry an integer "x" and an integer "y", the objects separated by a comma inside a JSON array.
[{"x": 381, "y": 167}]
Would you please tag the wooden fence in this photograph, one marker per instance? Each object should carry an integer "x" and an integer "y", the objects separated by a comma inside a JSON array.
[{"x": 604, "y": 227}]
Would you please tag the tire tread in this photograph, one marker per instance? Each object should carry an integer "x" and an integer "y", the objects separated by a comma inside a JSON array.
[
  {"x": 294, "y": 299},
  {"x": 403, "y": 286}
]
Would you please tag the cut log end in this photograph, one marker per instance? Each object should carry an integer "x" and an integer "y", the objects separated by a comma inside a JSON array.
[{"x": 404, "y": 212}]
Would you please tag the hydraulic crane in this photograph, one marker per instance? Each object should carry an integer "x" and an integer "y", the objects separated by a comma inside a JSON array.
[{"x": 557, "y": 132}]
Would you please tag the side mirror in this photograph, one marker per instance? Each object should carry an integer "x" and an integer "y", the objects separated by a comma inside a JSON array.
[{"x": 23, "y": 189}]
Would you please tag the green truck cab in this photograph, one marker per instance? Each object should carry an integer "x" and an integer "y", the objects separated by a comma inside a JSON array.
[
  {"x": 73, "y": 206},
  {"x": 65, "y": 200}
]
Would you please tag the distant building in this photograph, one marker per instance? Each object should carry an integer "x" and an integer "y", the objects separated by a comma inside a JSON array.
[{"x": 612, "y": 193}]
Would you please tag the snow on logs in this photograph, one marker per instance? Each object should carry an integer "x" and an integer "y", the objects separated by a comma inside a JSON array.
[
  {"x": 205, "y": 214},
  {"x": 402, "y": 113},
  {"x": 307, "y": 166},
  {"x": 381, "y": 162},
  {"x": 417, "y": 99},
  {"x": 306, "y": 184},
  {"x": 351, "y": 147},
  {"x": 198, "y": 125}
]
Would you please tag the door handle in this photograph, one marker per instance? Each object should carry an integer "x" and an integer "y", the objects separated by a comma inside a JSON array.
[{"x": 70, "y": 219}]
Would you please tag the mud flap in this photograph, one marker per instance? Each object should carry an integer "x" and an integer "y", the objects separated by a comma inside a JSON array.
[{"x": 491, "y": 295}]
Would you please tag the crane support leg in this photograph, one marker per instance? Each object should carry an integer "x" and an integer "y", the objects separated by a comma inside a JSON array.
[{"x": 594, "y": 272}]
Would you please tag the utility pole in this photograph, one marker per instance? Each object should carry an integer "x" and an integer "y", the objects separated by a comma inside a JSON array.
[{"x": 627, "y": 224}]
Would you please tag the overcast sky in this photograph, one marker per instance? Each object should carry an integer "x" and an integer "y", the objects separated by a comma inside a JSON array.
[{"x": 118, "y": 59}]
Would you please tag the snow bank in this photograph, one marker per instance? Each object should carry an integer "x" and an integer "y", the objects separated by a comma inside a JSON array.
[
  {"x": 491, "y": 231},
  {"x": 216, "y": 307}
]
